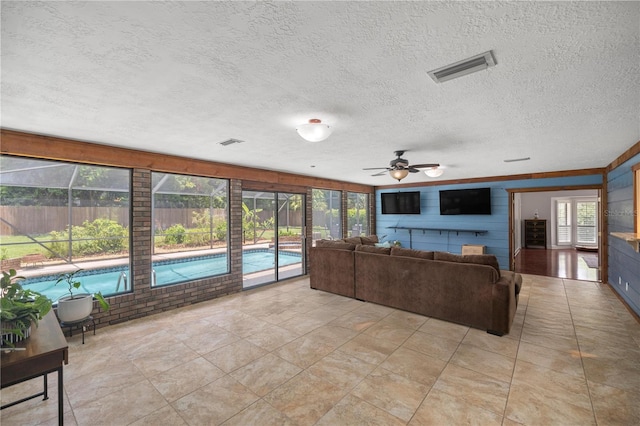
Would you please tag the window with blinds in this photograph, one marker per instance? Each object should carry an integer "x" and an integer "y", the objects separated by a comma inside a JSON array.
[{"x": 563, "y": 222}]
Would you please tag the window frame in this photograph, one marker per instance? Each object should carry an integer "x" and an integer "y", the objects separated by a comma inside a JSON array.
[
  {"x": 178, "y": 252},
  {"x": 366, "y": 207},
  {"x": 636, "y": 197}
]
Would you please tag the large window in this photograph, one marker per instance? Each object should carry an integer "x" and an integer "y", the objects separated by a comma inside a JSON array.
[
  {"x": 58, "y": 217},
  {"x": 576, "y": 222},
  {"x": 190, "y": 231},
  {"x": 357, "y": 214},
  {"x": 327, "y": 214},
  {"x": 586, "y": 222},
  {"x": 563, "y": 222}
]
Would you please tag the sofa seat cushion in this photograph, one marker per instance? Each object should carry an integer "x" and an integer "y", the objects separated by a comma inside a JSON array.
[
  {"x": 373, "y": 249},
  {"x": 338, "y": 245},
  {"x": 480, "y": 259},
  {"x": 420, "y": 254}
]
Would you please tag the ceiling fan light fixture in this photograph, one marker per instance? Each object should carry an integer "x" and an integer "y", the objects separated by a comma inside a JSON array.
[
  {"x": 399, "y": 174},
  {"x": 434, "y": 172},
  {"x": 314, "y": 130}
]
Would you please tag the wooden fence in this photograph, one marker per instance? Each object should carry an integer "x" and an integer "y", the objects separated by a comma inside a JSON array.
[{"x": 38, "y": 220}]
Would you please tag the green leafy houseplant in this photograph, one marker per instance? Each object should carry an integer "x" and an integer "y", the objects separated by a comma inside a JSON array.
[
  {"x": 74, "y": 284},
  {"x": 20, "y": 307}
]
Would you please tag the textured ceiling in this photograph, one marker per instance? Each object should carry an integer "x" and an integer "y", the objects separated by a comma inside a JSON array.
[{"x": 179, "y": 78}]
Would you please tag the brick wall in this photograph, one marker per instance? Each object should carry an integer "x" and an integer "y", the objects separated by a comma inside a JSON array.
[{"x": 146, "y": 300}]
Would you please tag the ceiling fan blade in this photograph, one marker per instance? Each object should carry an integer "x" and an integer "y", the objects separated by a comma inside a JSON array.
[
  {"x": 424, "y": 166},
  {"x": 376, "y": 168},
  {"x": 380, "y": 173}
]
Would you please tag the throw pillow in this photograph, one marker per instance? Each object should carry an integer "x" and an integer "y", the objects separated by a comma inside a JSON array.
[{"x": 420, "y": 254}]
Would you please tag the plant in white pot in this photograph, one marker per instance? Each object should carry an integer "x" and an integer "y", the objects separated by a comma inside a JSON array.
[
  {"x": 19, "y": 308},
  {"x": 76, "y": 307}
]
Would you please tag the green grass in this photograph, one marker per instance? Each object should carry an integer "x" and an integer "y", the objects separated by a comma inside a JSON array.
[{"x": 10, "y": 251}]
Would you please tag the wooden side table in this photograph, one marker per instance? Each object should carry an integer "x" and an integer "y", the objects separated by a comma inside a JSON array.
[{"x": 44, "y": 352}]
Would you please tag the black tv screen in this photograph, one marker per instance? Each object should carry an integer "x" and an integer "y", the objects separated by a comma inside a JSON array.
[
  {"x": 400, "y": 202},
  {"x": 465, "y": 201}
]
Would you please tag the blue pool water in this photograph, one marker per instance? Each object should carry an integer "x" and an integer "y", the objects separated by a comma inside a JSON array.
[{"x": 166, "y": 272}]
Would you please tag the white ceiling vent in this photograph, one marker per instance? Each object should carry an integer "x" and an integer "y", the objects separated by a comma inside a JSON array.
[
  {"x": 467, "y": 66},
  {"x": 230, "y": 142}
]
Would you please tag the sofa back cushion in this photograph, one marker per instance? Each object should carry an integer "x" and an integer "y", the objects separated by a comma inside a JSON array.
[
  {"x": 373, "y": 249},
  {"x": 420, "y": 254},
  {"x": 479, "y": 259},
  {"x": 338, "y": 245},
  {"x": 371, "y": 240},
  {"x": 353, "y": 240}
]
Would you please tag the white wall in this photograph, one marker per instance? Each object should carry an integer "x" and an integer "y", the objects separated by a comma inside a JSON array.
[{"x": 542, "y": 203}]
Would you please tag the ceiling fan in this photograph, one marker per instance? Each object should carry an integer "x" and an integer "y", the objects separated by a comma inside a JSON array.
[{"x": 399, "y": 168}]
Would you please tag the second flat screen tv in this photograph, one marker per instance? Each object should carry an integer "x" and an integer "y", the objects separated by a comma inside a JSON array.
[
  {"x": 465, "y": 201},
  {"x": 400, "y": 202}
]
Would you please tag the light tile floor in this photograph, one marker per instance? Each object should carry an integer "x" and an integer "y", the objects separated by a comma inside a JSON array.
[{"x": 288, "y": 355}]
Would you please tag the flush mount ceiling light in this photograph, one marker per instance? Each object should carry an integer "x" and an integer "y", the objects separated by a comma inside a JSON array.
[
  {"x": 314, "y": 130},
  {"x": 398, "y": 174},
  {"x": 434, "y": 172},
  {"x": 466, "y": 66}
]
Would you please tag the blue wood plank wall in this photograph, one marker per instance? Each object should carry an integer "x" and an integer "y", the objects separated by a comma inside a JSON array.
[
  {"x": 624, "y": 262},
  {"x": 497, "y": 224}
]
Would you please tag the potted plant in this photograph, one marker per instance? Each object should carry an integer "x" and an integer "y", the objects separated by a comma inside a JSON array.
[
  {"x": 19, "y": 308},
  {"x": 76, "y": 307}
]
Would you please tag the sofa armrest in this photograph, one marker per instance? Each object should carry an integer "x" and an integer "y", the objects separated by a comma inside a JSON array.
[
  {"x": 504, "y": 305},
  {"x": 332, "y": 270}
]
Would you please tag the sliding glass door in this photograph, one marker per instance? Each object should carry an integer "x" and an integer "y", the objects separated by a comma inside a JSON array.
[
  {"x": 290, "y": 235},
  {"x": 273, "y": 237}
]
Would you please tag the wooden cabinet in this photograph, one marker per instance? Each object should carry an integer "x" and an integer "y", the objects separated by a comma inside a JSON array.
[{"x": 535, "y": 233}]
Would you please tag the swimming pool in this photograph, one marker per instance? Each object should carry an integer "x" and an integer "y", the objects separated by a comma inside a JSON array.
[{"x": 165, "y": 272}]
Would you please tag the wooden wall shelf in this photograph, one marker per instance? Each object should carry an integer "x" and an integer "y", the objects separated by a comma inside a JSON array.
[{"x": 440, "y": 230}]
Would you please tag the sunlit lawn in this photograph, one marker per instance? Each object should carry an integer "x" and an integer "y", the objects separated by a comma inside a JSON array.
[{"x": 23, "y": 246}]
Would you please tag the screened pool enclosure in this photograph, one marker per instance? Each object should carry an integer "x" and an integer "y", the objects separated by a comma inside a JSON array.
[{"x": 57, "y": 216}]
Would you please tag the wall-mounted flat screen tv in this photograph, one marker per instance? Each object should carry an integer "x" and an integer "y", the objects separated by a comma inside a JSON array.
[
  {"x": 465, "y": 201},
  {"x": 400, "y": 202}
]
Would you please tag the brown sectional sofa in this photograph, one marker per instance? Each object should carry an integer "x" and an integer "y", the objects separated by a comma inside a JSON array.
[{"x": 469, "y": 290}]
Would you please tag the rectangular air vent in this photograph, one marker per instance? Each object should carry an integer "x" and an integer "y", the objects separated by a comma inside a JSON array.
[
  {"x": 467, "y": 66},
  {"x": 230, "y": 142}
]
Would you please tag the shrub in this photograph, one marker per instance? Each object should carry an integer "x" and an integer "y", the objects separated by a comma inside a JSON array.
[
  {"x": 197, "y": 237},
  {"x": 220, "y": 228},
  {"x": 175, "y": 234},
  {"x": 96, "y": 237}
]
